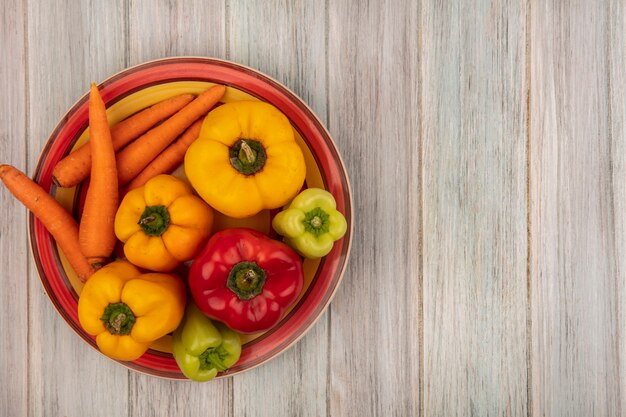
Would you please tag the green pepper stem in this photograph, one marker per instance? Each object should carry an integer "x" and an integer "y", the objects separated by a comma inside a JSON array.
[
  {"x": 117, "y": 322},
  {"x": 249, "y": 277},
  {"x": 246, "y": 280},
  {"x": 316, "y": 222},
  {"x": 147, "y": 220},
  {"x": 249, "y": 153},
  {"x": 118, "y": 318},
  {"x": 247, "y": 156},
  {"x": 213, "y": 358},
  {"x": 155, "y": 220}
]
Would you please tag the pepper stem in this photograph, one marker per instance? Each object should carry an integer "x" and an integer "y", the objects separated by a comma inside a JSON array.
[
  {"x": 147, "y": 220},
  {"x": 117, "y": 322},
  {"x": 155, "y": 220},
  {"x": 316, "y": 222},
  {"x": 213, "y": 358},
  {"x": 118, "y": 318},
  {"x": 248, "y": 152},
  {"x": 246, "y": 280},
  {"x": 247, "y": 156}
]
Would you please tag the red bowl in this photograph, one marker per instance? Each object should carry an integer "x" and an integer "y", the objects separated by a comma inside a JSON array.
[{"x": 147, "y": 83}]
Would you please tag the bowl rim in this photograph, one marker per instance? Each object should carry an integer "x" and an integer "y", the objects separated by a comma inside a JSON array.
[{"x": 159, "y": 61}]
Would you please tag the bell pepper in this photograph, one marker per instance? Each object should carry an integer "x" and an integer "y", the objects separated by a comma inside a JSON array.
[
  {"x": 127, "y": 310},
  {"x": 162, "y": 224},
  {"x": 202, "y": 348},
  {"x": 245, "y": 279},
  {"x": 311, "y": 223},
  {"x": 246, "y": 159}
]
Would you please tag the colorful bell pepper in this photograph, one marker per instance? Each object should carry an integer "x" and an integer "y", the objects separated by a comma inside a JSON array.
[
  {"x": 202, "y": 348},
  {"x": 311, "y": 223},
  {"x": 245, "y": 279},
  {"x": 127, "y": 310},
  {"x": 162, "y": 224},
  {"x": 246, "y": 159}
]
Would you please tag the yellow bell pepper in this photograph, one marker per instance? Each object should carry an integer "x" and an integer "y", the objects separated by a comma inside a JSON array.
[
  {"x": 162, "y": 224},
  {"x": 246, "y": 159},
  {"x": 127, "y": 310}
]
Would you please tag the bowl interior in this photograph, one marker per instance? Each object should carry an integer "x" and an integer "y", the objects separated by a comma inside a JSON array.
[{"x": 147, "y": 84}]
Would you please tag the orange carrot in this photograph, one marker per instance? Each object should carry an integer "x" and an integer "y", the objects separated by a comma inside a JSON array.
[
  {"x": 75, "y": 167},
  {"x": 170, "y": 158},
  {"x": 138, "y": 154},
  {"x": 54, "y": 217},
  {"x": 96, "y": 233}
]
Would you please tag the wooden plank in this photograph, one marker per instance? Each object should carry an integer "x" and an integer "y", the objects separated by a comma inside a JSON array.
[
  {"x": 69, "y": 45},
  {"x": 577, "y": 209},
  {"x": 150, "y": 396},
  {"x": 162, "y": 29},
  {"x": 373, "y": 63},
  {"x": 13, "y": 239},
  {"x": 475, "y": 227},
  {"x": 617, "y": 135},
  {"x": 293, "y": 384},
  {"x": 290, "y": 49}
]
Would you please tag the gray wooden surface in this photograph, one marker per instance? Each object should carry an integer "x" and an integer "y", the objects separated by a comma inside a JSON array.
[{"x": 486, "y": 145}]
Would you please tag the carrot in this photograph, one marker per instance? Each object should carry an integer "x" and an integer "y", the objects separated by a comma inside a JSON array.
[
  {"x": 170, "y": 158},
  {"x": 54, "y": 217},
  {"x": 96, "y": 233},
  {"x": 75, "y": 167},
  {"x": 138, "y": 154}
]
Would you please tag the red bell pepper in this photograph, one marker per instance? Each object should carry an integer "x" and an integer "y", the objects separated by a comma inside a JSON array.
[{"x": 245, "y": 279}]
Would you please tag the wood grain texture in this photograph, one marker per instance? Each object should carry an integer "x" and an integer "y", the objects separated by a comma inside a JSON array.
[
  {"x": 617, "y": 135},
  {"x": 577, "y": 209},
  {"x": 161, "y": 29},
  {"x": 373, "y": 66},
  {"x": 474, "y": 208},
  {"x": 166, "y": 28},
  {"x": 486, "y": 146},
  {"x": 292, "y": 50},
  {"x": 69, "y": 45},
  {"x": 13, "y": 241}
]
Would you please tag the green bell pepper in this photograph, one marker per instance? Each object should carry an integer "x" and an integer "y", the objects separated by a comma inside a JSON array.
[
  {"x": 311, "y": 223},
  {"x": 203, "y": 348}
]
